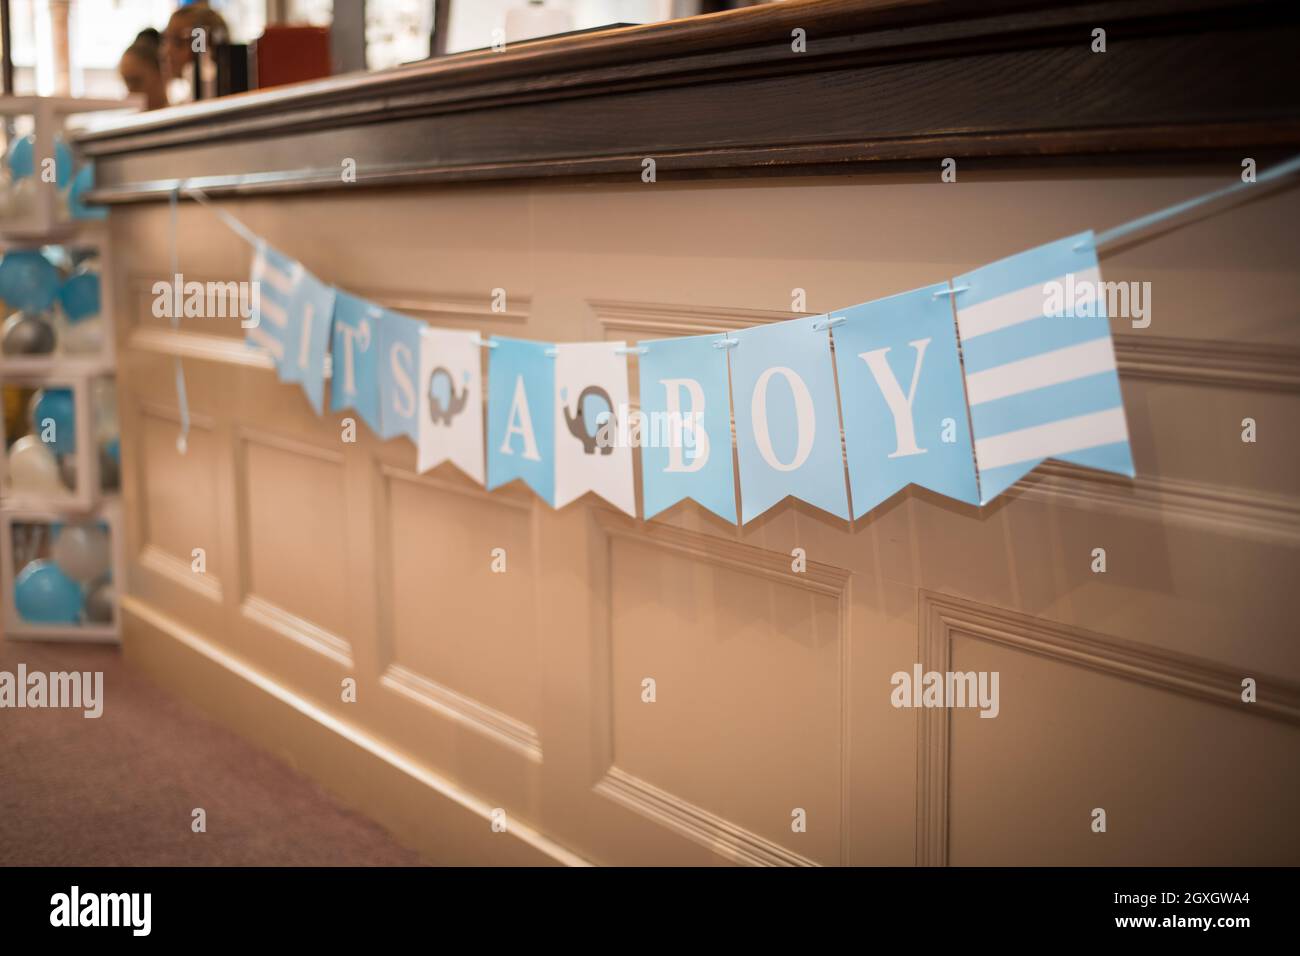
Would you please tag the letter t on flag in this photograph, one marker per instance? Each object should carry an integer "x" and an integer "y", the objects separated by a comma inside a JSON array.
[{"x": 1040, "y": 364}]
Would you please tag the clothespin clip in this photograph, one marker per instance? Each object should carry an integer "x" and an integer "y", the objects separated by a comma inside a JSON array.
[
  {"x": 823, "y": 325},
  {"x": 631, "y": 350},
  {"x": 484, "y": 343},
  {"x": 953, "y": 291},
  {"x": 726, "y": 343}
]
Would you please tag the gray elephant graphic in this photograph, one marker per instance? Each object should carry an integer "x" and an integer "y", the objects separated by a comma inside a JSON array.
[
  {"x": 577, "y": 421},
  {"x": 444, "y": 403}
]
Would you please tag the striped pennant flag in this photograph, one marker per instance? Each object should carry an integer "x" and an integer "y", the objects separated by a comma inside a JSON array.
[{"x": 1040, "y": 365}]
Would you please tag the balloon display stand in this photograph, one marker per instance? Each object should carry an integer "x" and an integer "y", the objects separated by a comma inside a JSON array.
[
  {"x": 60, "y": 542},
  {"x": 40, "y": 190},
  {"x": 60, "y": 573}
]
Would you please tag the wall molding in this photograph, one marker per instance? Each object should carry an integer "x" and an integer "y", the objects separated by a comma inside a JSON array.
[
  {"x": 330, "y": 743},
  {"x": 695, "y": 823},
  {"x": 661, "y": 806},
  {"x": 825, "y": 579},
  {"x": 942, "y": 616},
  {"x": 1208, "y": 362},
  {"x": 258, "y": 610},
  {"x": 178, "y": 571},
  {"x": 478, "y": 717},
  {"x": 1220, "y": 509}
]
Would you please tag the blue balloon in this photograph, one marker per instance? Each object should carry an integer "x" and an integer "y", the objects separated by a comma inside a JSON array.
[
  {"x": 83, "y": 183},
  {"x": 56, "y": 404},
  {"x": 79, "y": 296},
  {"x": 28, "y": 280},
  {"x": 114, "y": 448},
  {"x": 45, "y": 595},
  {"x": 22, "y": 159}
]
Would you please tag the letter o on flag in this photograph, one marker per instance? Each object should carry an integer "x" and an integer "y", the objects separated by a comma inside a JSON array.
[{"x": 803, "y": 408}]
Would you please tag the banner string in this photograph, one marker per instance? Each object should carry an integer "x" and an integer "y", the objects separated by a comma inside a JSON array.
[
  {"x": 1124, "y": 230},
  {"x": 182, "y": 401},
  {"x": 1106, "y": 238}
]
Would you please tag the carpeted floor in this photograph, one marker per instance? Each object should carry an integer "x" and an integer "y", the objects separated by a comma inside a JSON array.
[{"x": 120, "y": 790}]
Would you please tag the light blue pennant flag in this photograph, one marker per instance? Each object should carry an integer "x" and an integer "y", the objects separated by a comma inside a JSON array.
[
  {"x": 399, "y": 370},
  {"x": 787, "y": 418},
  {"x": 356, "y": 358},
  {"x": 300, "y": 310},
  {"x": 902, "y": 398},
  {"x": 1040, "y": 364},
  {"x": 521, "y": 416},
  {"x": 273, "y": 277},
  {"x": 686, "y": 425}
]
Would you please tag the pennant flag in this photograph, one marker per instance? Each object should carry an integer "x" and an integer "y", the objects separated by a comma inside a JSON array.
[
  {"x": 902, "y": 398},
  {"x": 521, "y": 416},
  {"x": 593, "y": 451},
  {"x": 451, "y": 401},
  {"x": 1040, "y": 364},
  {"x": 686, "y": 425},
  {"x": 356, "y": 358},
  {"x": 787, "y": 417},
  {"x": 399, "y": 365},
  {"x": 273, "y": 278},
  {"x": 301, "y": 309}
]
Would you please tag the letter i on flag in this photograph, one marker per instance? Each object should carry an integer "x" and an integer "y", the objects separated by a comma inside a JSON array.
[
  {"x": 592, "y": 447},
  {"x": 902, "y": 398},
  {"x": 521, "y": 416},
  {"x": 274, "y": 275},
  {"x": 787, "y": 417},
  {"x": 686, "y": 425},
  {"x": 1040, "y": 365},
  {"x": 451, "y": 401},
  {"x": 356, "y": 358},
  {"x": 307, "y": 306},
  {"x": 399, "y": 368}
]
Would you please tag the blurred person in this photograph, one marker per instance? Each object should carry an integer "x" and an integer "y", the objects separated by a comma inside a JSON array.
[
  {"x": 178, "y": 44},
  {"x": 141, "y": 68}
]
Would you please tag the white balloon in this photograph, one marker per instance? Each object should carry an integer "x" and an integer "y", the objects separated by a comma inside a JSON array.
[
  {"x": 81, "y": 552},
  {"x": 33, "y": 468},
  {"x": 85, "y": 337}
]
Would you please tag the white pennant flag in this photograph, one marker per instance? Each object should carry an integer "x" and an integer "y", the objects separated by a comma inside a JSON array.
[
  {"x": 450, "y": 408},
  {"x": 592, "y": 451}
]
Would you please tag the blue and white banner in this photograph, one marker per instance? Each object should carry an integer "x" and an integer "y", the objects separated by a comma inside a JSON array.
[
  {"x": 593, "y": 450},
  {"x": 451, "y": 401},
  {"x": 399, "y": 369},
  {"x": 686, "y": 425},
  {"x": 1040, "y": 365},
  {"x": 902, "y": 398},
  {"x": 962, "y": 387},
  {"x": 787, "y": 417},
  {"x": 356, "y": 358},
  {"x": 301, "y": 309},
  {"x": 521, "y": 415}
]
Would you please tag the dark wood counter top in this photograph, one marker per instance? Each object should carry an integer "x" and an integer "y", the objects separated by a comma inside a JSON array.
[{"x": 881, "y": 81}]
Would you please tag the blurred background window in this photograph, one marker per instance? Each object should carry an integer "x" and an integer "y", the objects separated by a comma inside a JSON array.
[{"x": 95, "y": 33}]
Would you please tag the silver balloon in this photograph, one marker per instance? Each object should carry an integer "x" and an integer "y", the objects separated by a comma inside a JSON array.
[
  {"x": 100, "y": 599},
  {"x": 26, "y": 333}
]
